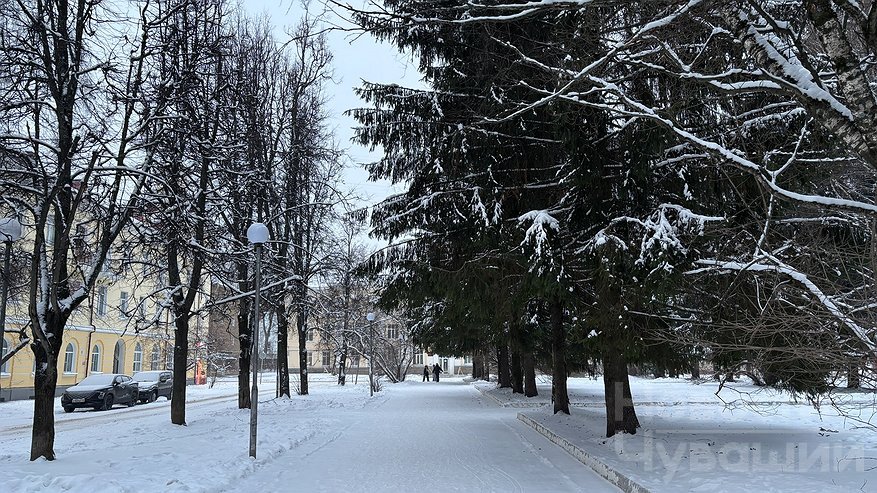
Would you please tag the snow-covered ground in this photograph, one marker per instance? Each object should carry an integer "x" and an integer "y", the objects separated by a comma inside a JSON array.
[
  {"x": 694, "y": 440},
  {"x": 412, "y": 436}
]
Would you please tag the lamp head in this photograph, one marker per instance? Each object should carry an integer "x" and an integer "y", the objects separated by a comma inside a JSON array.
[
  {"x": 257, "y": 233},
  {"x": 370, "y": 316}
]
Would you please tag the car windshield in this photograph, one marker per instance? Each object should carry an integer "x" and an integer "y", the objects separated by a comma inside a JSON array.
[
  {"x": 147, "y": 376},
  {"x": 98, "y": 380}
]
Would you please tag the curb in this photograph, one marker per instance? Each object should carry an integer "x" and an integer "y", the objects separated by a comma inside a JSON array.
[
  {"x": 601, "y": 468},
  {"x": 485, "y": 393}
]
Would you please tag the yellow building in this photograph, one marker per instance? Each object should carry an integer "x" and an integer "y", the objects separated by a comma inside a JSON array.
[{"x": 122, "y": 328}]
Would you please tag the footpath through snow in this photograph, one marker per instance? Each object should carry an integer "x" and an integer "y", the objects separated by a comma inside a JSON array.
[{"x": 412, "y": 436}]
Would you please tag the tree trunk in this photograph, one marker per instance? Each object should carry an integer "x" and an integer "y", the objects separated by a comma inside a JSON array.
[
  {"x": 854, "y": 380},
  {"x": 181, "y": 352},
  {"x": 529, "y": 367},
  {"x": 620, "y": 413},
  {"x": 244, "y": 363},
  {"x": 517, "y": 373},
  {"x": 45, "y": 383},
  {"x": 342, "y": 363},
  {"x": 559, "y": 394},
  {"x": 283, "y": 352},
  {"x": 695, "y": 369},
  {"x": 502, "y": 366},
  {"x": 301, "y": 325}
]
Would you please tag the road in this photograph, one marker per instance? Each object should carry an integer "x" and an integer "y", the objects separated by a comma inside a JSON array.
[{"x": 426, "y": 437}]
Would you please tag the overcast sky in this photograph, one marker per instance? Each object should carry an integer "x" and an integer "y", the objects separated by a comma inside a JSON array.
[{"x": 354, "y": 60}]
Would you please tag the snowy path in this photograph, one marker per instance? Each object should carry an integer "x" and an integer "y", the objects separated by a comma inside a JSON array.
[{"x": 424, "y": 437}]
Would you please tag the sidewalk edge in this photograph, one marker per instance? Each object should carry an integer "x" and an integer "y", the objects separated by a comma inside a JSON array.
[{"x": 601, "y": 468}]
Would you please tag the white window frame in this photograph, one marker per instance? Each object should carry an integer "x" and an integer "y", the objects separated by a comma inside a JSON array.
[
  {"x": 5, "y": 347},
  {"x": 70, "y": 359},
  {"x": 96, "y": 358},
  {"x": 137, "y": 365},
  {"x": 124, "y": 298},
  {"x": 155, "y": 359},
  {"x": 101, "y": 308}
]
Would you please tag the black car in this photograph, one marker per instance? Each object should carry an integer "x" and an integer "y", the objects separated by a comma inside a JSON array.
[
  {"x": 153, "y": 384},
  {"x": 101, "y": 392}
]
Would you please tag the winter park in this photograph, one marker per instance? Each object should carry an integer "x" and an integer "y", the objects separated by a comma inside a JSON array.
[{"x": 396, "y": 245}]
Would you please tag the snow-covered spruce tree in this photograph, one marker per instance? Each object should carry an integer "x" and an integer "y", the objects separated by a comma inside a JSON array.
[
  {"x": 468, "y": 179},
  {"x": 812, "y": 56},
  {"x": 76, "y": 156}
]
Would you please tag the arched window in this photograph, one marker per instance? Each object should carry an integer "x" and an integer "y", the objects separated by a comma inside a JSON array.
[
  {"x": 156, "y": 358},
  {"x": 5, "y": 367},
  {"x": 119, "y": 357},
  {"x": 70, "y": 359},
  {"x": 95, "y": 359},
  {"x": 138, "y": 357}
]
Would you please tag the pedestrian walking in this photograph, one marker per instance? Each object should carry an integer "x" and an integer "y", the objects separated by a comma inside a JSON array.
[
  {"x": 436, "y": 369},
  {"x": 425, "y": 373}
]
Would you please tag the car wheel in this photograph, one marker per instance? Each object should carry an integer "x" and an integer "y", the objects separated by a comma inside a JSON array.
[
  {"x": 108, "y": 402},
  {"x": 144, "y": 400},
  {"x": 69, "y": 409},
  {"x": 153, "y": 396},
  {"x": 132, "y": 402},
  {"x": 170, "y": 395}
]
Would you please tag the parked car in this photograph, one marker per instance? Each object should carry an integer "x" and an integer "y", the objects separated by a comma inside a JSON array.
[
  {"x": 101, "y": 392},
  {"x": 152, "y": 384}
]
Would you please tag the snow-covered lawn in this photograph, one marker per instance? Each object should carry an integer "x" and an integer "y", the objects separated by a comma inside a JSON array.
[
  {"x": 693, "y": 440},
  {"x": 412, "y": 436}
]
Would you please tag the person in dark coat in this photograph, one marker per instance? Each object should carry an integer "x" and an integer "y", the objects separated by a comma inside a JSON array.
[
  {"x": 425, "y": 373},
  {"x": 436, "y": 369}
]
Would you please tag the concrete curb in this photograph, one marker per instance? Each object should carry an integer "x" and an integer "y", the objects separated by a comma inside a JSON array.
[{"x": 601, "y": 468}]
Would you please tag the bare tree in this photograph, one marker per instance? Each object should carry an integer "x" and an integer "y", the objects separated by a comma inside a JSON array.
[{"x": 77, "y": 154}]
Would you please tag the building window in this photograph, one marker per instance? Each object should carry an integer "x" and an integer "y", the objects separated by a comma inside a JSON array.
[
  {"x": 50, "y": 233},
  {"x": 418, "y": 359},
  {"x": 156, "y": 358},
  {"x": 95, "y": 359},
  {"x": 123, "y": 304},
  {"x": 169, "y": 358},
  {"x": 309, "y": 357},
  {"x": 467, "y": 359},
  {"x": 138, "y": 358},
  {"x": 119, "y": 357},
  {"x": 444, "y": 364},
  {"x": 355, "y": 359},
  {"x": 70, "y": 359},
  {"x": 5, "y": 367},
  {"x": 310, "y": 337},
  {"x": 327, "y": 358},
  {"x": 101, "y": 301},
  {"x": 393, "y": 332}
]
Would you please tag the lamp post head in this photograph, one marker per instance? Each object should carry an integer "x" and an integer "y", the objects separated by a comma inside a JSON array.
[
  {"x": 257, "y": 233},
  {"x": 370, "y": 316},
  {"x": 10, "y": 229}
]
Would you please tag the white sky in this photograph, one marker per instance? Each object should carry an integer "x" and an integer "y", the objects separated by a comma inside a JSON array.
[{"x": 355, "y": 59}]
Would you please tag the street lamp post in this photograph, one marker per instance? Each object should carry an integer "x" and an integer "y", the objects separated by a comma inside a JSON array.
[
  {"x": 257, "y": 233},
  {"x": 371, "y": 353},
  {"x": 10, "y": 230}
]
